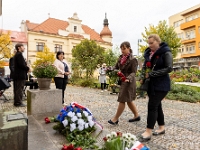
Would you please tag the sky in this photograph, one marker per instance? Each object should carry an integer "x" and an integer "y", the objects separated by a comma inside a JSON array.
[{"x": 127, "y": 18}]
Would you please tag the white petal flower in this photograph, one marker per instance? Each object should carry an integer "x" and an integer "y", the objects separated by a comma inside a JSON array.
[
  {"x": 80, "y": 127},
  {"x": 74, "y": 118},
  {"x": 79, "y": 115},
  {"x": 65, "y": 122},
  {"x": 70, "y": 114},
  {"x": 85, "y": 113},
  {"x": 126, "y": 148},
  {"x": 108, "y": 136},
  {"x": 133, "y": 137},
  {"x": 124, "y": 136},
  {"x": 89, "y": 118},
  {"x": 86, "y": 125},
  {"x": 129, "y": 135},
  {"x": 91, "y": 123},
  {"x": 81, "y": 121},
  {"x": 113, "y": 134},
  {"x": 72, "y": 127}
]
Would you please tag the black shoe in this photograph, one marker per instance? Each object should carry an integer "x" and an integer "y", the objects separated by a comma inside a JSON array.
[
  {"x": 136, "y": 119},
  {"x": 20, "y": 105},
  {"x": 159, "y": 133},
  {"x": 142, "y": 139},
  {"x": 113, "y": 123}
]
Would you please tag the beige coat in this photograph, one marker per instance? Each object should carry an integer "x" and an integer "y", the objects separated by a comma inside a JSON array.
[
  {"x": 128, "y": 89},
  {"x": 60, "y": 67}
]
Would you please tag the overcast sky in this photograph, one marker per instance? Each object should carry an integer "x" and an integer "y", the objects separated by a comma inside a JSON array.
[{"x": 127, "y": 18}]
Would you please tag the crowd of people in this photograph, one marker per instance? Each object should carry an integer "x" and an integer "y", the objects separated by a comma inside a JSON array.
[{"x": 158, "y": 55}]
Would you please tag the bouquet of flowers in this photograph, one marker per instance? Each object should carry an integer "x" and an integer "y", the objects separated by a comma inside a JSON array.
[
  {"x": 76, "y": 122},
  {"x": 122, "y": 76},
  {"x": 145, "y": 70},
  {"x": 121, "y": 141}
]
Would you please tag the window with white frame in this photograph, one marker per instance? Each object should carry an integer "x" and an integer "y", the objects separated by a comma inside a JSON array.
[
  {"x": 75, "y": 28},
  {"x": 58, "y": 47},
  {"x": 190, "y": 48},
  {"x": 190, "y": 34},
  {"x": 39, "y": 46},
  {"x": 192, "y": 17},
  {"x": 177, "y": 23}
]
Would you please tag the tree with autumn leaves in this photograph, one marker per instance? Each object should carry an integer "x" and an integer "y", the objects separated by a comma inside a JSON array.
[
  {"x": 5, "y": 47},
  {"x": 44, "y": 56},
  {"x": 166, "y": 33}
]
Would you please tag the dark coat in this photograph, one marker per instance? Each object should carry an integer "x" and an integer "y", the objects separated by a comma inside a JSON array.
[
  {"x": 128, "y": 89},
  {"x": 20, "y": 67},
  {"x": 163, "y": 61},
  {"x": 11, "y": 66}
]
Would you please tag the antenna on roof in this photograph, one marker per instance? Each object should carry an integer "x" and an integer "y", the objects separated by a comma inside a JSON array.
[{"x": 49, "y": 15}]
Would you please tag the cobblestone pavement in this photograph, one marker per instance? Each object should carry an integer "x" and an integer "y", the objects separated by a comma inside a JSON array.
[{"x": 181, "y": 118}]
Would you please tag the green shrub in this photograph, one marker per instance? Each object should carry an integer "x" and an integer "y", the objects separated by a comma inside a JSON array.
[{"x": 184, "y": 93}]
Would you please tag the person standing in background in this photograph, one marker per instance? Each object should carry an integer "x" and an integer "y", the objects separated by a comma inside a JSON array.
[
  {"x": 102, "y": 77},
  {"x": 20, "y": 74},
  {"x": 61, "y": 78},
  {"x": 11, "y": 65}
]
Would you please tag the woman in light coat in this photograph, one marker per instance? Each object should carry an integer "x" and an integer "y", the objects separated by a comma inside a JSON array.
[
  {"x": 63, "y": 71},
  {"x": 102, "y": 77}
]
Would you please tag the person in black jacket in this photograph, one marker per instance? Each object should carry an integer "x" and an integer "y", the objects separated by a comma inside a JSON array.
[
  {"x": 159, "y": 57},
  {"x": 20, "y": 75},
  {"x": 11, "y": 66}
]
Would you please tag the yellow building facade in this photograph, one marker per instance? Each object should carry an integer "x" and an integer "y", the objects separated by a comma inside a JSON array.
[
  {"x": 60, "y": 35},
  {"x": 187, "y": 27}
]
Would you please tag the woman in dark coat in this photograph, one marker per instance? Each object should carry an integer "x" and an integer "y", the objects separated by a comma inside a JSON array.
[
  {"x": 160, "y": 57},
  {"x": 127, "y": 65}
]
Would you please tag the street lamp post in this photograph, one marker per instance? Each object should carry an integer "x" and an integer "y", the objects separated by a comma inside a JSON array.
[{"x": 139, "y": 40}]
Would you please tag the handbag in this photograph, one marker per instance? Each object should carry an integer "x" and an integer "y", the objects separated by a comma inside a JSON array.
[
  {"x": 119, "y": 81},
  {"x": 145, "y": 85}
]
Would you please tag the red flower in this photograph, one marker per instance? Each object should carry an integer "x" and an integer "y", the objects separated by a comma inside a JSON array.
[
  {"x": 120, "y": 74},
  {"x": 78, "y": 148},
  {"x": 64, "y": 147},
  {"x": 47, "y": 120},
  {"x": 119, "y": 134},
  {"x": 105, "y": 139},
  {"x": 148, "y": 64},
  {"x": 70, "y": 147}
]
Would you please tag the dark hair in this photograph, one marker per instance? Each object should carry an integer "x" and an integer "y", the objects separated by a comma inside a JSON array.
[
  {"x": 18, "y": 45},
  {"x": 58, "y": 53},
  {"x": 127, "y": 45}
]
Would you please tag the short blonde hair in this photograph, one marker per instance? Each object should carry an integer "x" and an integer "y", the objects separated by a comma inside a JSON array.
[{"x": 156, "y": 37}]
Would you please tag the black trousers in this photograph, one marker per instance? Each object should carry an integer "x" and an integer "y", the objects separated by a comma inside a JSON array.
[
  {"x": 155, "y": 112},
  {"x": 61, "y": 83},
  {"x": 103, "y": 86},
  {"x": 18, "y": 91}
]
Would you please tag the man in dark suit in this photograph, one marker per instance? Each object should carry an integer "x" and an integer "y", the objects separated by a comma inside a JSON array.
[
  {"x": 20, "y": 75},
  {"x": 11, "y": 66}
]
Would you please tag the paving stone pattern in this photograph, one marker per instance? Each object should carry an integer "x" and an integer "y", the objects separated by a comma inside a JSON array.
[{"x": 182, "y": 121}]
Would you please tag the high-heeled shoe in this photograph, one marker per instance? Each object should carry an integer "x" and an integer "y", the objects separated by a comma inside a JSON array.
[{"x": 113, "y": 123}]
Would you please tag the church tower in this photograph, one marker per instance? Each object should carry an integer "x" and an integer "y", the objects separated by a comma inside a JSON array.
[{"x": 106, "y": 34}]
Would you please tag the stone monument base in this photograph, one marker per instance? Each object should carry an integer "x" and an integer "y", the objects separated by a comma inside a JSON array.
[
  {"x": 44, "y": 101},
  {"x": 13, "y": 131}
]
